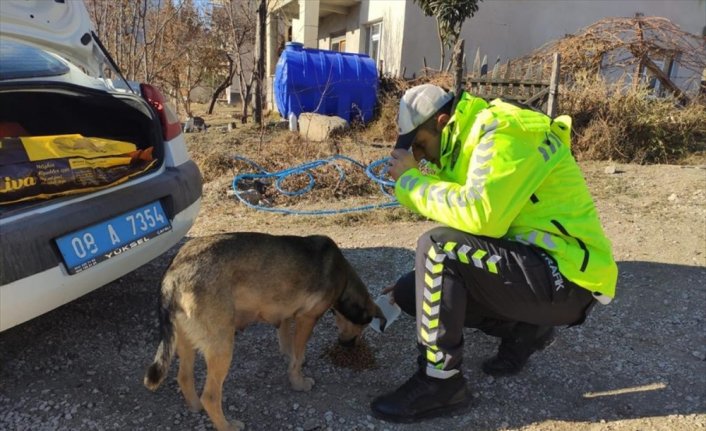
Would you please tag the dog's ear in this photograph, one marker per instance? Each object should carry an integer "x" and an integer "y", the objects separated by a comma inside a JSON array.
[{"x": 352, "y": 307}]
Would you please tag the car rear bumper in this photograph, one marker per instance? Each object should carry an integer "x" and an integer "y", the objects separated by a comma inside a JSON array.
[
  {"x": 39, "y": 293},
  {"x": 177, "y": 188}
]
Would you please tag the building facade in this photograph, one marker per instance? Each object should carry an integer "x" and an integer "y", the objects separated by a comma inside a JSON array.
[{"x": 401, "y": 39}]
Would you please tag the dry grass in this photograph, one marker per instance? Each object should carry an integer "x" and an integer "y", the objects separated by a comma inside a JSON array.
[
  {"x": 627, "y": 124},
  {"x": 274, "y": 149},
  {"x": 624, "y": 126},
  {"x": 610, "y": 122}
]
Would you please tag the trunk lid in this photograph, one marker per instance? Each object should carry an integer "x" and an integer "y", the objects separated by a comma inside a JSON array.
[{"x": 60, "y": 26}]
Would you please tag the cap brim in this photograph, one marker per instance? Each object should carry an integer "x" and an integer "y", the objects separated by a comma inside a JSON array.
[{"x": 405, "y": 141}]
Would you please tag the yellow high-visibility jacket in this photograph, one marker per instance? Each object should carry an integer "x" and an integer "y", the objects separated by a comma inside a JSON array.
[{"x": 507, "y": 172}]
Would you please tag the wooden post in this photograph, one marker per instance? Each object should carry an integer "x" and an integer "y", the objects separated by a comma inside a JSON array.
[
  {"x": 260, "y": 60},
  {"x": 475, "y": 72},
  {"x": 487, "y": 86},
  {"x": 509, "y": 90},
  {"x": 667, "y": 70},
  {"x": 553, "y": 87},
  {"x": 665, "y": 81},
  {"x": 496, "y": 68},
  {"x": 458, "y": 72}
]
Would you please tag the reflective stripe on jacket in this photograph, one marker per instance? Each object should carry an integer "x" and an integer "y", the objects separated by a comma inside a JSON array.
[{"x": 507, "y": 172}]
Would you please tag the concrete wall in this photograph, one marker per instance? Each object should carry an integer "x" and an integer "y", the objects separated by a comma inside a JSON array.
[
  {"x": 505, "y": 28},
  {"x": 512, "y": 28},
  {"x": 392, "y": 15},
  {"x": 389, "y": 12},
  {"x": 335, "y": 24}
]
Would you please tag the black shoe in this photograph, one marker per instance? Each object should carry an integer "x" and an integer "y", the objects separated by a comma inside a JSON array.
[
  {"x": 514, "y": 352},
  {"x": 422, "y": 397}
]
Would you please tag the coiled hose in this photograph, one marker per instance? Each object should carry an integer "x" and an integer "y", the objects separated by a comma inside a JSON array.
[{"x": 376, "y": 171}]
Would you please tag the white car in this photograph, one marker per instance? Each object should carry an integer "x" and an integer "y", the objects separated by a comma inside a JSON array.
[{"x": 52, "y": 83}]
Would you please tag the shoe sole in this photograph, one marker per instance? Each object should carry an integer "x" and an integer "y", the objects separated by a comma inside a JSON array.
[
  {"x": 546, "y": 344},
  {"x": 426, "y": 415}
]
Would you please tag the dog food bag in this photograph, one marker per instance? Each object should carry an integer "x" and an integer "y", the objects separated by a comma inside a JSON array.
[{"x": 42, "y": 167}]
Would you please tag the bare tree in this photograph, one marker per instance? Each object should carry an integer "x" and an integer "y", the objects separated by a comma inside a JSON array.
[
  {"x": 154, "y": 41},
  {"x": 188, "y": 34},
  {"x": 260, "y": 58},
  {"x": 117, "y": 26},
  {"x": 233, "y": 26},
  {"x": 450, "y": 16}
]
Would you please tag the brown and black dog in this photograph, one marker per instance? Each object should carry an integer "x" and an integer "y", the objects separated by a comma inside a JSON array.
[{"x": 219, "y": 284}]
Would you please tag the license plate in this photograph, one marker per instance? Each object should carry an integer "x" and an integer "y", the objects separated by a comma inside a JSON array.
[{"x": 88, "y": 247}]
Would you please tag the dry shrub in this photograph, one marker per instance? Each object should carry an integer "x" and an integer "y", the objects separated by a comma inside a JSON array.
[
  {"x": 610, "y": 121},
  {"x": 214, "y": 165},
  {"x": 628, "y": 124},
  {"x": 383, "y": 128},
  {"x": 212, "y": 160}
]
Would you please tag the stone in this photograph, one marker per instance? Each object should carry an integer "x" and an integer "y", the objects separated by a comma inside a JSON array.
[{"x": 316, "y": 127}]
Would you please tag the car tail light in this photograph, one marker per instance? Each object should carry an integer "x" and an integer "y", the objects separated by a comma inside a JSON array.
[{"x": 171, "y": 127}]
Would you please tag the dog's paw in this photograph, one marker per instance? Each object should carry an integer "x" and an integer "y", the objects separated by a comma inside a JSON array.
[
  {"x": 233, "y": 425},
  {"x": 236, "y": 425},
  {"x": 303, "y": 384},
  {"x": 195, "y": 406}
]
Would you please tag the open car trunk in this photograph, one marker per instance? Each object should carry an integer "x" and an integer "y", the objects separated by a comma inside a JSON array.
[
  {"x": 51, "y": 109},
  {"x": 70, "y": 109}
]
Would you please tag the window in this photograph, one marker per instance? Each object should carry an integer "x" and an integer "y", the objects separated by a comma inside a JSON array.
[
  {"x": 338, "y": 43},
  {"x": 374, "y": 33},
  {"x": 25, "y": 61}
]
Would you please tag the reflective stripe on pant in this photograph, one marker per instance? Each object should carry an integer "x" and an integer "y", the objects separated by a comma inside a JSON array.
[
  {"x": 428, "y": 323},
  {"x": 461, "y": 278}
]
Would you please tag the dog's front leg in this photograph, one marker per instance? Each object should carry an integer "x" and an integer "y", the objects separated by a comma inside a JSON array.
[
  {"x": 284, "y": 333},
  {"x": 303, "y": 325}
]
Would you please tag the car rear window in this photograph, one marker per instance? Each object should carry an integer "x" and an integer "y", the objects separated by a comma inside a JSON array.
[{"x": 18, "y": 60}]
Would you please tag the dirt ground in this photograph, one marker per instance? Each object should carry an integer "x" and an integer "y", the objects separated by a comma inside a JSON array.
[{"x": 636, "y": 364}]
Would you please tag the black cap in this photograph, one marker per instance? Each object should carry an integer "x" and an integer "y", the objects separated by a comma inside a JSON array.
[{"x": 405, "y": 141}]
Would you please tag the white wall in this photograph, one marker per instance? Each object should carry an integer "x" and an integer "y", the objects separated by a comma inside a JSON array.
[
  {"x": 512, "y": 28},
  {"x": 335, "y": 24},
  {"x": 390, "y": 12},
  {"x": 421, "y": 41}
]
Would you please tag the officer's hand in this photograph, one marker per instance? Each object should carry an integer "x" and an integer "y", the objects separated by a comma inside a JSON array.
[
  {"x": 388, "y": 291},
  {"x": 400, "y": 162}
]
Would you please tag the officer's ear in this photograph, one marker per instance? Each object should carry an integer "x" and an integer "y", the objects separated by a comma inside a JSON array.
[{"x": 441, "y": 121}]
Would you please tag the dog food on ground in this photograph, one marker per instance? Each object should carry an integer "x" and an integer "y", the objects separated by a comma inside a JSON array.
[{"x": 357, "y": 358}]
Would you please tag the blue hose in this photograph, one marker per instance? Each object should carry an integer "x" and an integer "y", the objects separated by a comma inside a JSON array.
[{"x": 376, "y": 171}]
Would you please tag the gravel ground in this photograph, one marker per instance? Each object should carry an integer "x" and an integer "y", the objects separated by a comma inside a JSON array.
[{"x": 637, "y": 364}]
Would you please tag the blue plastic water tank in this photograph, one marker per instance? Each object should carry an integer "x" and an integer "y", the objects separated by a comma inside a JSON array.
[{"x": 325, "y": 82}]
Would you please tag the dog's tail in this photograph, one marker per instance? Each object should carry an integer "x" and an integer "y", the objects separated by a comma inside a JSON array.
[{"x": 165, "y": 351}]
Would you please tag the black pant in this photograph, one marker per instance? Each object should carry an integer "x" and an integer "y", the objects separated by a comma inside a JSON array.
[{"x": 485, "y": 283}]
